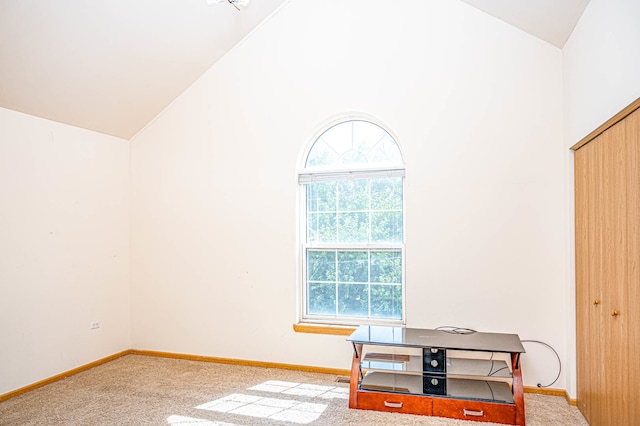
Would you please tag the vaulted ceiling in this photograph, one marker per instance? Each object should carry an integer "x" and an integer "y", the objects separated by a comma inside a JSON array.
[
  {"x": 550, "y": 20},
  {"x": 112, "y": 65}
]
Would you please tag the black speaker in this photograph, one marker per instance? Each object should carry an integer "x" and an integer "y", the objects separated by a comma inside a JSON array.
[{"x": 434, "y": 360}]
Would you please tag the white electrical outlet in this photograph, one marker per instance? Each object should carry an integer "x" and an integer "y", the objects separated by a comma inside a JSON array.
[{"x": 95, "y": 325}]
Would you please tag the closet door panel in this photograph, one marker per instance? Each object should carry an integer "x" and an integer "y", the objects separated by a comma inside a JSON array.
[
  {"x": 633, "y": 265},
  {"x": 615, "y": 313},
  {"x": 595, "y": 285}
]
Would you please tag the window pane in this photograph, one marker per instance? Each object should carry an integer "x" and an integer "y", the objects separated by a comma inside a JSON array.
[
  {"x": 321, "y": 265},
  {"x": 321, "y": 197},
  {"x": 353, "y": 157},
  {"x": 353, "y": 228},
  {"x": 386, "y": 194},
  {"x": 321, "y": 154},
  {"x": 353, "y": 195},
  {"x": 321, "y": 299},
  {"x": 366, "y": 136},
  {"x": 353, "y": 266},
  {"x": 385, "y": 151},
  {"x": 386, "y": 227},
  {"x": 321, "y": 228},
  {"x": 353, "y": 300},
  {"x": 386, "y": 267},
  {"x": 386, "y": 301},
  {"x": 338, "y": 138}
]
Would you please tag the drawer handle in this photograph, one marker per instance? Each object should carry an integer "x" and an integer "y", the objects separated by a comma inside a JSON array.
[
  {"x": 473, "y": 413},
  {"x": 393, "y": 404}
]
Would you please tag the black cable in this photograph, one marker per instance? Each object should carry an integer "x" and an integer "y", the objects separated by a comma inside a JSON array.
[
  {"x": 462, "y": 330},
  {"x": 557, "y": 356},
  {"x": 493, "y": 397},
  {"x": 497, "y": 371}
]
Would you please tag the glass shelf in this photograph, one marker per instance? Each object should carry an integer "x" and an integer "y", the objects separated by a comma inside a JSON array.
[
  {"x": 482, "y": 390},
  {"x": 422, "y": 338},
  {"x": 412, "y": 364}
]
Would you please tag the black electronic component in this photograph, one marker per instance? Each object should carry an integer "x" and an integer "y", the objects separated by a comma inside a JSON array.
[
  {"x": 434, "y": 360},
  {"x": 434, "y": 385}
]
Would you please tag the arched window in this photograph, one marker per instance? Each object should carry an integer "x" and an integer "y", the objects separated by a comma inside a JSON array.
[{"x": 353, "y": 239}]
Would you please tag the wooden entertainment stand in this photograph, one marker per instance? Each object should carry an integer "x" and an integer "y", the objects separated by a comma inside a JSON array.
[{"x": 464, "y": 375}]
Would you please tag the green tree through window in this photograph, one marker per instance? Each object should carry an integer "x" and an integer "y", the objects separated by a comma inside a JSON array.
[{"x": 353, "y": 244}]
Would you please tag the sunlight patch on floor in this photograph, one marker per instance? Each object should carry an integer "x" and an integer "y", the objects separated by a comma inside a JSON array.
[
  {"x": 287, "y": 410},
  {"x": 267, "y": 408}
]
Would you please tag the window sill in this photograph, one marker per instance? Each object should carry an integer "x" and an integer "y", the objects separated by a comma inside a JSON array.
[{"x": 336, "y": 330}]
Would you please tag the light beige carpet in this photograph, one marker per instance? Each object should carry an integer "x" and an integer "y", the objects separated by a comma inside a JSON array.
[{"x": 141, "y": 390}]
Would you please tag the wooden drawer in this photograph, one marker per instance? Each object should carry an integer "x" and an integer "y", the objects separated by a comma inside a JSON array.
[
  {"x": 474, "y": 410},
  {"x": 394, "y": 402}
]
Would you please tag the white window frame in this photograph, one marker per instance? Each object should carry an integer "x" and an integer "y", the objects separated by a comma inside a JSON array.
[{"x": 340, "y": 174}]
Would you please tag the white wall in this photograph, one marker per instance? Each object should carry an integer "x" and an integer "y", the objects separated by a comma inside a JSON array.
[
  {"x": 477, "y": 108},
  {"x": 64, "y": 248},
  {"x": 601, "y": 66}
]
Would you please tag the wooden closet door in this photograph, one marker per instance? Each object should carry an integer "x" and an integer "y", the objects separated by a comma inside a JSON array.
[
  {"x": 614, "y": 312},
  {"x": 607, "y": 177},
  {"x": 590, "y": 270},
  {"x": 584, "y": 357}
]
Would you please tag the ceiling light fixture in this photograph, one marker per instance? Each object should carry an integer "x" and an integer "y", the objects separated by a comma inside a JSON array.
[{"x": 235, "y": 3}]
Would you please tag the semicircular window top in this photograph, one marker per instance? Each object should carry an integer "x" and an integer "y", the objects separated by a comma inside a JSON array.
[
  {"x": 353, "y": 226},
  {"x": 355, "y": 143}
]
